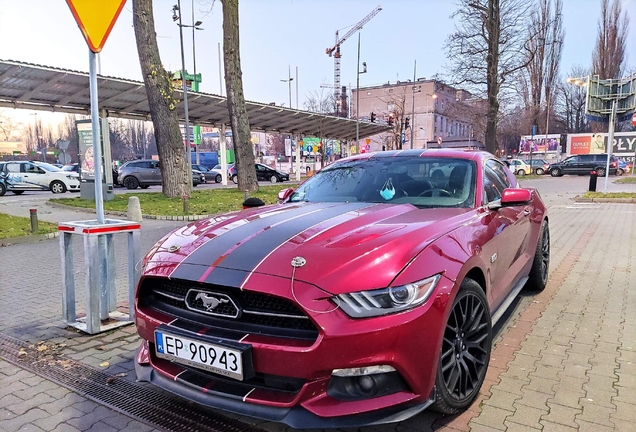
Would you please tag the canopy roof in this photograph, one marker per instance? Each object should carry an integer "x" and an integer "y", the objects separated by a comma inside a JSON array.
[{"x": 35, "y": 87}]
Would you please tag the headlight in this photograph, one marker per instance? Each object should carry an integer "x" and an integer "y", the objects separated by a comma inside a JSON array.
[
  {"x": 71, "y": 177},
  {"x": 386, "y": 301}
]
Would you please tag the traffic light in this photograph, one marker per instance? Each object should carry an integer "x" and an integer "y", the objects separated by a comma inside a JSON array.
[
  {"x": 390, "y": 119},
  {"x": 372, "y": 117},
  {"x": 407, "y": 123}
]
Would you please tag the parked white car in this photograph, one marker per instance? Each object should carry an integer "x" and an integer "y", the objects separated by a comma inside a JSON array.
[
  {"x": 519, "y": 167},
  {"x": 30, "y": 175}
]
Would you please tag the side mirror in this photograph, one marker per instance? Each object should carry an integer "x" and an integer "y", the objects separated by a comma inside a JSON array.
[
  {"x": 512, "y": 197},
  {"x": 284, "y": 194}
]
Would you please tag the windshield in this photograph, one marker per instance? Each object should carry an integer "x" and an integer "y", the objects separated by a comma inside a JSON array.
[
  {"x": 48, "y": 167},
  {"x": 425, "y": 182}
]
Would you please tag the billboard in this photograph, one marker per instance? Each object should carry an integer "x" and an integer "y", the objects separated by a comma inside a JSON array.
[
  {"x": 624, "y": 143},
  {"x": 540, "y": 144}
]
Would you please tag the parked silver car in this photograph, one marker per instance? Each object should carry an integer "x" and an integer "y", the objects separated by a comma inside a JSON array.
[{"x": 145, "y": 172}]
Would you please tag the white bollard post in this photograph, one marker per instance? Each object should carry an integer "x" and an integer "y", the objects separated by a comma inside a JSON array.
[{"x": 134, "y": 209}]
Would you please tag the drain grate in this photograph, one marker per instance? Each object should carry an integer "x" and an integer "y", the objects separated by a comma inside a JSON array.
[{"x": 131, "y": 399}]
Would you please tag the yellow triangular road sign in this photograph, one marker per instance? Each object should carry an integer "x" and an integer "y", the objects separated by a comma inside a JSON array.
[{"x": 96, "y": 19}]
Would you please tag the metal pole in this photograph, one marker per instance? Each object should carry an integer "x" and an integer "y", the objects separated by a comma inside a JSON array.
[
  {"x": 220, "y": 72},
  {"x": 289, "y": 80},
  {"x": 413, "y": 110},
  {"x": 194, "y": 66},
  {"x": 358, "y": 99},
  {"x": 185, "y": 102},
  {"x": 610, "y": 141},
  {"x": 296, "y": 87},
  {"x": 97, "y": 143}
]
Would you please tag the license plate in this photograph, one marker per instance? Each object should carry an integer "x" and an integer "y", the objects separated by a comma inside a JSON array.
[{"x": 214, "y": 358}]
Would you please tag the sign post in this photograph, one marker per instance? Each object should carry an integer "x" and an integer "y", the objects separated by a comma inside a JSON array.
[{"x": 96, "y": 20}]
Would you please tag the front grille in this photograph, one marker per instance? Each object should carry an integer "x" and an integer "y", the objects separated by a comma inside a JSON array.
[{"x": 227, "y": 308}]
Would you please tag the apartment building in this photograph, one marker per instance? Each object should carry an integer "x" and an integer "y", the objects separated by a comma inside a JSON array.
[{"x": 428, "y": 110}]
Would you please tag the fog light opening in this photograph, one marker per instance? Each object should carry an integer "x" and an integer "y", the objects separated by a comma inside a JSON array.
[{"x": 366, "y": 383}]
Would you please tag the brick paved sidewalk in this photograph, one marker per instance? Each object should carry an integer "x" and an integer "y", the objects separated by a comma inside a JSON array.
[{"x": 564, "y": 360}]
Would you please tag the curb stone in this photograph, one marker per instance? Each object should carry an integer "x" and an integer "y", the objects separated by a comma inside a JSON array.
[
  {"x": 124, "y": 214},
  {"x": 27, "y": 239}
]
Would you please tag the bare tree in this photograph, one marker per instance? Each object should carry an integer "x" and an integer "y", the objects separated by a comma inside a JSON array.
[
  {"x": 396, "y": 111},
  {"x": 571, "y": 103},
  {"x": 609, "y": 53},
  {"x": 236, "y": 100},
  {"x": 545, "y": 39},
  {"x": 160, "y": 92},
  {"x": 9, "y": 128},
  {"x": 323, "y": 103},
  {"x": 487, "y": 48}
]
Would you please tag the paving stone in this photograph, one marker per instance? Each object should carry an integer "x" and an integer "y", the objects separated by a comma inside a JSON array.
[
  {"x": 625, "y": 411},
  {"x": 501, "y": 399},
  {"x": 491, "y": 417},
  {"x": 527, "y": 415},
  {"x": 534, "y": 399},
  {"x": 555, "y": 427},
  {"x": 541, "y": 385},
  {"x": 595, "y": 413},
  {"x": 561, "y": 415},
  {"x": 53, "y": 421},
  {"x": 18, "y": 421},
  {"x": 584, "y": 426}
]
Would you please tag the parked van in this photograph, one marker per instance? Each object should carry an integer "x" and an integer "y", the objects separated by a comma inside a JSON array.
[{"x": 582, "y": 164}]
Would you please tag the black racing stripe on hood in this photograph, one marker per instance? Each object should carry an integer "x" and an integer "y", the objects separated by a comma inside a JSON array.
[{"x": 259, "y": 238}]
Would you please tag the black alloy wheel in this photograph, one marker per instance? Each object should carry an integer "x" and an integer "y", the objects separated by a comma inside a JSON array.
[
  {"x": 538, "y": 277},
  {"x": 555, "y": 172},
  {"x": 218, "y": 178},
  {"x": 18, "y": 192},
  {"x": 465, "y": 352},
  {"x": 131, "y": 182}
]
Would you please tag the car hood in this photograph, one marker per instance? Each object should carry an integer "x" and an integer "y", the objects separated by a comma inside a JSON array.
[{"x": 341, "y": 244}]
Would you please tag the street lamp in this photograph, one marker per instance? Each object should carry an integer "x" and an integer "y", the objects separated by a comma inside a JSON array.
[
  {"x": 364, "y": 70},
  {"x": 177, "y": 17},
  {"x": 428, "y": 97},
  {"x": 289, "y": 80}
]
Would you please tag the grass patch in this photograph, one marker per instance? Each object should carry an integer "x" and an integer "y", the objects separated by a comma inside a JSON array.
[
  {"x": 200, "y": 203},
  {"x": 16, "y": 226},
  {"x": 626, "y": 180},
  {"x": 609, "y": 195}
]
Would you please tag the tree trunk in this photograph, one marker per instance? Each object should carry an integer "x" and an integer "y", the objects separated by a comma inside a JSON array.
[
  {"x": 162, "y": 103},
  {"x": 235, "y": 99},
  {"x": 492, "y": 79}
]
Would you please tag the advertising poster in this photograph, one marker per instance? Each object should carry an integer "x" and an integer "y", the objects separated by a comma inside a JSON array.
[
  {"x": 86, "y": 157},
  {"x": 540, "y": 144},
  {"x": 624, "y": 143}
]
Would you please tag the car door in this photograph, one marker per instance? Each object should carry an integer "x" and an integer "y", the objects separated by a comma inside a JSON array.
[
  {"x": 15, "y": 176},
  {"x": 571, "y": 165},
  {"x": 154, "y": 173},
  {"x": 262, "y": 172},
  {"x": 508, "y": 227},
  {"x": 34, "y": 177}
]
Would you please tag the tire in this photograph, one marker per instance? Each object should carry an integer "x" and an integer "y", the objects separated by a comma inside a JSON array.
[
  {"x": 131, "y": 182},
  {"x": 235, "y": 179},
  {"x": 3, "y": 189},
  {"x": 620, "y": 172},
  {"x": 538, "y": 277},
  {"x": 601, "y": 172},
  {"x": 218, "y": 178},
  {"x": 521, "y": 172},
  {"x": 57, "y": 187},
  {"x": 17, "y": 192},
  {"x": 144, "y": 186},
  {"x": 273, "y": 179},
  {"x": 539, "y": 171},
  {"x": 465, "y": 351},
  {"x": 555, "y": 172}
]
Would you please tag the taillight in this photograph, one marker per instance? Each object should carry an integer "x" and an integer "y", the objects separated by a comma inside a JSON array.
[{"x": 613, "y": 165}]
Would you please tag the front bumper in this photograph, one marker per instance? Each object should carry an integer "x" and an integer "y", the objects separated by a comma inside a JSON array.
[
  {"x": 296, "y": 417},
  {"x": 409, "y": 342}
]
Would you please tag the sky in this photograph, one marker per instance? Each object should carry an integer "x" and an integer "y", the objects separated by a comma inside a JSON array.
[{"x": 276, "y": 35}]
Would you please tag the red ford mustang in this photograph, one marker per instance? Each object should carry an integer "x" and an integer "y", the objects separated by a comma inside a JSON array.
[{"x": 367, "y": 295}]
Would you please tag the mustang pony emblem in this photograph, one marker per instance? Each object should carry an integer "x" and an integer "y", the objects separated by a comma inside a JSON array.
[{"x": 209, "y": 301}]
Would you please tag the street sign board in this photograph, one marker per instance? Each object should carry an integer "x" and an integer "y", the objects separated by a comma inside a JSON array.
[{"x": 96, "y": 19}]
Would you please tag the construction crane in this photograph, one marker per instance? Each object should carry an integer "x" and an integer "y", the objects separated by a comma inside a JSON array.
[{"x": 334, "y": 52}]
